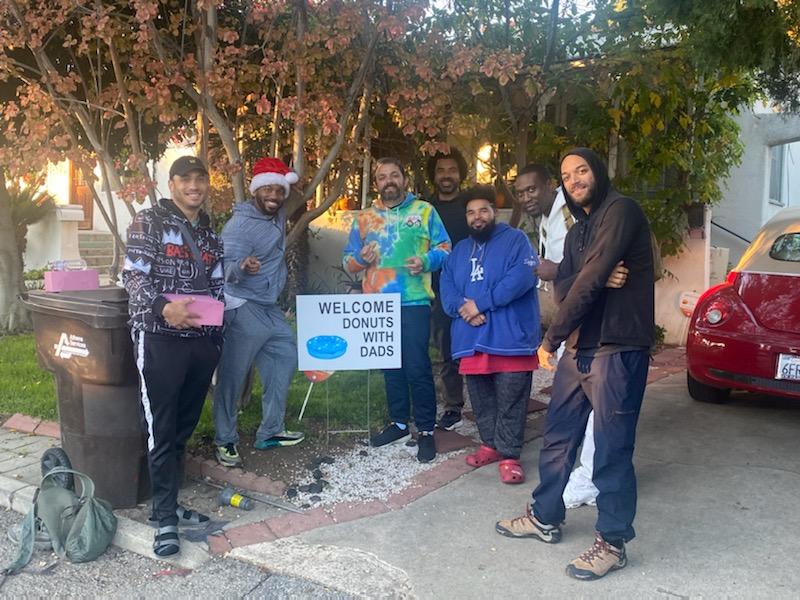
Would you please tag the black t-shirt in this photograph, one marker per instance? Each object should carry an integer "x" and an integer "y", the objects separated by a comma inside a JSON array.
[
  {"x": 454, "y": 218},
  {"x": 453, "y": 215}
]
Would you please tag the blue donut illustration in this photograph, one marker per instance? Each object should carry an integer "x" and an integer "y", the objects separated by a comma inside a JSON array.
[{"x": 326, "y": 347}]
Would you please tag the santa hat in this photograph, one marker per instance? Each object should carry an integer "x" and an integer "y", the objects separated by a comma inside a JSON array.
[{"x": 272, "y": 171}]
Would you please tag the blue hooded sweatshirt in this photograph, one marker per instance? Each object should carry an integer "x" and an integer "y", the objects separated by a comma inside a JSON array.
[
  {"x": 498, "y": 275},
  {"x": 251, "y": 232}
]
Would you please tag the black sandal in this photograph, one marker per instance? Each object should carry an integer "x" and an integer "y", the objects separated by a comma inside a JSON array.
[
  {"x": 191, "y": 517},
  {"x": 166, "y": 542}
]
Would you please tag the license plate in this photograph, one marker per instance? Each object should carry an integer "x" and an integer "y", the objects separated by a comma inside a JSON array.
[{"x": 788, "y": 367}]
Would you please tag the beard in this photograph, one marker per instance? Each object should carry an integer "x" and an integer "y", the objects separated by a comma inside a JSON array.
[
  {"x": 391, "y": 193},
  {"x": 587, "y": 199},
  {"x": 446, "y": 185},
  {"x": 482, "y": 234}
]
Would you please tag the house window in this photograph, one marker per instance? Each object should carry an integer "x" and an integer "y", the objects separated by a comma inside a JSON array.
[{"x": 776, "y": 162}]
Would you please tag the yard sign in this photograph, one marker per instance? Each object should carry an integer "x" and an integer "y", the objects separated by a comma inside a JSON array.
[{"x": 348, "y": 332}]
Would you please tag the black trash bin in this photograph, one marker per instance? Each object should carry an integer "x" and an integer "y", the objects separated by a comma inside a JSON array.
[{"x": 84, "y": 340}]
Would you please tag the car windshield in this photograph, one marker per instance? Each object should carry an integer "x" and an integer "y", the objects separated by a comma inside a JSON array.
[{"x": 786, "y": 247}]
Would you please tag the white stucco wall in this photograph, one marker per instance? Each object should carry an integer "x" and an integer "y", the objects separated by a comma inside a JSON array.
[
  {"x": 56, "y": 237},
  {"x": 53, "y": 238},
  {"x": 745, "y": 204},
  {"x": 161, "y": 178}
]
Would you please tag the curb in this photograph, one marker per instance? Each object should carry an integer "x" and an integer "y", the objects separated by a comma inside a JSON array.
[
  {"x": 132, "y": 536},
  {"x": 194, "y": 464},
  {"x": 284, "y": 526}
]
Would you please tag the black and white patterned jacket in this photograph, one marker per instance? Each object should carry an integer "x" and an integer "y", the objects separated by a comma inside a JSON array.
[{"x": 158, "y": 262}]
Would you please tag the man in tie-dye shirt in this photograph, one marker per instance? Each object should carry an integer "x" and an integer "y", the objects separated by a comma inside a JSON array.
[{"x": 397, "y": 243}]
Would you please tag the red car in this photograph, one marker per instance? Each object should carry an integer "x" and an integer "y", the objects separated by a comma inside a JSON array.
[{"x": 744, "y": 334}]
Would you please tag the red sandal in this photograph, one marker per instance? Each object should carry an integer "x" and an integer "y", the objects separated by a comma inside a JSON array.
[
  {"x": 511, "y": 471},
  {"x": 484, "y": 456}
]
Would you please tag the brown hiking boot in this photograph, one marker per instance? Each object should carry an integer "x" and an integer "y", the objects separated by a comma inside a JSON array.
[
  {"x": 598, "y": 560},
  {"x": 527, "y": 526}
]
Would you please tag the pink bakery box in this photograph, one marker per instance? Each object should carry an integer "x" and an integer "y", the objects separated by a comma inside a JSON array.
[
  {"x": 210, "y": 310},
  {"x": 71, "y": 281}
]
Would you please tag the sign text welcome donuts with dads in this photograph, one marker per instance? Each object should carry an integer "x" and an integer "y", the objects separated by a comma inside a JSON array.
[{"x": 348, "y": 332}]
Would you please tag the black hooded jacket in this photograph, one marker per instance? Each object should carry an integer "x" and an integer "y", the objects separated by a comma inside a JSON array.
[{"x": 616, "y": 229}]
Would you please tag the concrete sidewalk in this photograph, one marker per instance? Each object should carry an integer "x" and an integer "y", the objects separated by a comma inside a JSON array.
[{"x": 718, "y": 486}]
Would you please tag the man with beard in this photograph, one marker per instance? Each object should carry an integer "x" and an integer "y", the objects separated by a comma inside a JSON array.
[
  {"x": 397, "y": 243},
  {"x": 489, "y": 289},
  {"x": 255, "y": 327},
  {"x": 608, "y": 332},
  {"x": 538, "y": 196},
  {"x": 446, "y": 172},
  {"x": 172, "y": 249}
]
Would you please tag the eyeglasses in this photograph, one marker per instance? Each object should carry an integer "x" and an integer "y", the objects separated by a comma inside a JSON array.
[{"x": 528, "y": 191}]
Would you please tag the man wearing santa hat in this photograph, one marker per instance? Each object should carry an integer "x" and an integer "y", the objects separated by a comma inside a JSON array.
[{"x": 256, "y": 330}]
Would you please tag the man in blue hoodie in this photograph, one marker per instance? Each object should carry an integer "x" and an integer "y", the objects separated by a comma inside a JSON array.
[
  {"x": 488, "y": 286},
  {"x": 255, "y": 327}
]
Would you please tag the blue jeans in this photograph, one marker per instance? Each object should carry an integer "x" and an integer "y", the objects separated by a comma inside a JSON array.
[
  {"x": 260, "y": 334},
  {"x": 613, "y": 385},
  {"x": 415, "y": 374}
]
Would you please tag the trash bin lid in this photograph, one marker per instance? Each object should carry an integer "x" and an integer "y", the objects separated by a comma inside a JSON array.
[{"x": 103, "y": 308}]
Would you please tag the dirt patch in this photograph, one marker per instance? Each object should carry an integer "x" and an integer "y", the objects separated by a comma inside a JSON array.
[{"x": 289, "y": 463}]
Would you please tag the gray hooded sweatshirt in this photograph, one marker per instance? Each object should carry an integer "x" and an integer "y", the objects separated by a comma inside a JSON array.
[{"x": 249, "y": 232}]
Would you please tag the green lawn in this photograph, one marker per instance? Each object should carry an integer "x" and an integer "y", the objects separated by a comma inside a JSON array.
[
  {"x": 24, "y": 386},
  {"x": 30, "y": 390}
]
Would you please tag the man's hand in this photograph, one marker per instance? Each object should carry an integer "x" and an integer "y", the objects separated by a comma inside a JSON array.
[
  {"x": 546, "y": 270},
  {"x": 478, "y": 320},
  {"x": 178, "y": 315},
  {"x": 468, "y": 310},
  {"x": 369, "y": 253},
  {"x": 414, "y": 265},
  {"x": 618, "y": 276},
  {"x": 250, "y": 265},
  {"x": 546, "y": 359}
]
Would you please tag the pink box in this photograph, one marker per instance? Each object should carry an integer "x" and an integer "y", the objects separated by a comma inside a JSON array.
[
  {"x": 210, "y": 310},
  {"x": 71, "y": 281}
]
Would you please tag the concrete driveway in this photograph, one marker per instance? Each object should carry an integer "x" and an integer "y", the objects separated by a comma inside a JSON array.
[{"x": 718, "y": 497}]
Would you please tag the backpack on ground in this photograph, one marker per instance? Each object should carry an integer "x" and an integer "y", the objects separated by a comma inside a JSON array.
[{"x": 80, "y": 527}]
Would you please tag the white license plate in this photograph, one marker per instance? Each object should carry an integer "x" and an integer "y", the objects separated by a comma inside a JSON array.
[{"x": 788, "y": 367}]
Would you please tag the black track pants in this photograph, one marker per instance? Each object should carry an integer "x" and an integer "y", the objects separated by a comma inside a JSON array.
[{"x": 174, "y": 375}]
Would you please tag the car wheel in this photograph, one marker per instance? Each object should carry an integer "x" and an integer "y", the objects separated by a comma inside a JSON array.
[{"x": 706, "y": 393}]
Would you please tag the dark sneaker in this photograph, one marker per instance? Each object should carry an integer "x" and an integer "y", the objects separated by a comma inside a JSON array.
[
  {"x": 598, "y": 560},
  {"x": 228, "y": 455},
  {"x": 450, "y": 419},
  {"x": 426, "y": 446},
  {"x": 391, "y": 434},
  {"x": 527, "y": 526},
  {"x": 284, "y": 438}
]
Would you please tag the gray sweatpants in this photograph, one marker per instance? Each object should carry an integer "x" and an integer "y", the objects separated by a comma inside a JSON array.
[
  {"x": 260, "y": 334},
  {"x": 500, "y": 404}
]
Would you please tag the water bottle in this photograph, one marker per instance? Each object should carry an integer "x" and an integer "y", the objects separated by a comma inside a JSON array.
[{"x": 230, "y": 497}]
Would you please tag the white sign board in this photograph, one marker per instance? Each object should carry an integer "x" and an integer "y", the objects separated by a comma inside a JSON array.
[{"x": 348, "y": 332}]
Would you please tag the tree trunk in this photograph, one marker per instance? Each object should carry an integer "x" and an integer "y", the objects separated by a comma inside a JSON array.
[
  {"x": 521, "y": 144},
  {"x": 13, "y": 316},
  {"x": 298, "y": 147}
]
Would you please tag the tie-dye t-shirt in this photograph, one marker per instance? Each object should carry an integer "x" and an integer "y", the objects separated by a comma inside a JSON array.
[{"x": 412, "y": 228}]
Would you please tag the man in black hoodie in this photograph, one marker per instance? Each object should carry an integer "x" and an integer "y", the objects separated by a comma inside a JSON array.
[{"x": 608, "y": 334}]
